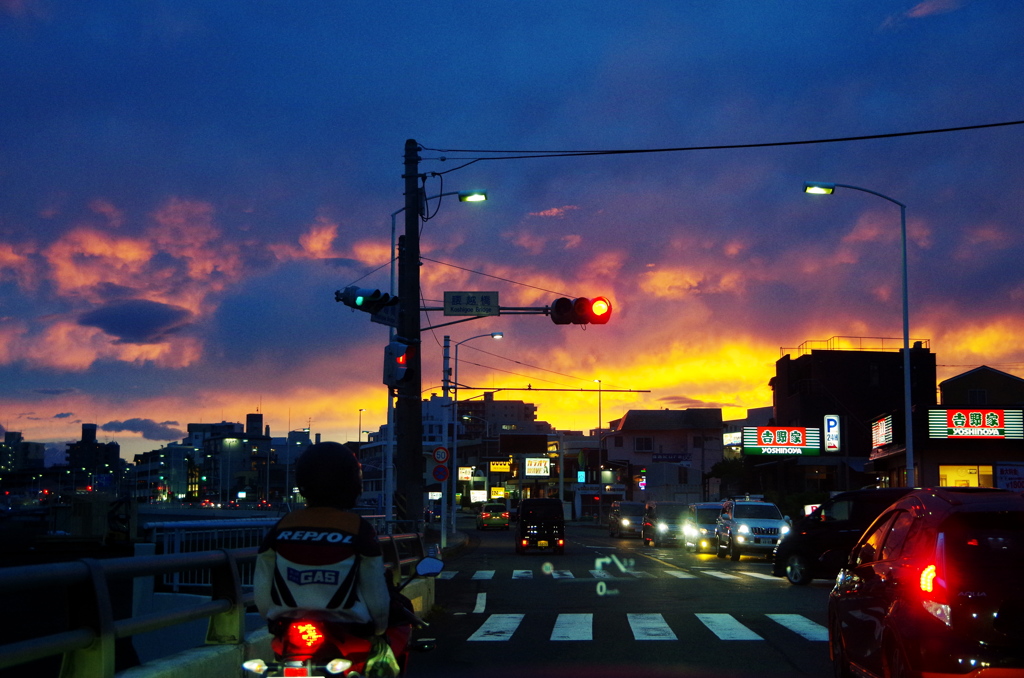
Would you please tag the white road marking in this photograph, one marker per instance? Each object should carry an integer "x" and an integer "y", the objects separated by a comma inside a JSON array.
[
  {"x": 562, "y": 574},
  {"x": 679, "y": 574},
  {"x": 801, "y": 625},
  {"x": 481, "y": 603},
  {"x": 498, "y": 627},
  {"x": 602, "y": 574},
  {"x": 522, "y": 574},
  {"x": 448, "y": 574},
  {"x": 483, "y": 574},
  {"x": 720, "y": 575},
  {"x": 650, "y": 627},
  {"x": 726, "y": 627},
  {"x": 573, "y": 627},
  {"x": 758, "y": 575}
]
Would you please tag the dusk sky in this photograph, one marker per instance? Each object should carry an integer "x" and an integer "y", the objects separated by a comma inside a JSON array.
[{"x": 184, "y": 185}]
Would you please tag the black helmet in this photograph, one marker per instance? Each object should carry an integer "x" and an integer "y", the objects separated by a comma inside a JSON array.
[{"x": 328, "y": 474}]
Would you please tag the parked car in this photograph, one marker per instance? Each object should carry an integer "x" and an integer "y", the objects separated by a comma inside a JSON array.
[
  {"x": 699, "y": 526},
  {"x": 541, "y": 525},
  {"x": 834, "y": 526},
  {"x": 751, "y": 527},
  {"x": 625, "y": 517},
  {"x": 492, "y": 515},
  {"x": 663, "y": 523},
  {"x": 934, "y": 587}
]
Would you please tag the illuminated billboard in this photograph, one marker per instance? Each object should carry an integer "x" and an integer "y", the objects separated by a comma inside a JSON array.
[
  {"x": 881, "y": 431},
  {"x": 976, "y": 422},
  {"x": 781, "y": 440}
]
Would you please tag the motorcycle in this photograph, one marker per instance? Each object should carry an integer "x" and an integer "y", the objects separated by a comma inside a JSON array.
[{"x": 308, "y": 647}]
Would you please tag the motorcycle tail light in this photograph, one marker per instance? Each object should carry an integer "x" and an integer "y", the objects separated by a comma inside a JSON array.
[
  {"x": 561, "y": 542},
  {"x": 305, "y": 636},
  {"x": 526, "y": 542}
]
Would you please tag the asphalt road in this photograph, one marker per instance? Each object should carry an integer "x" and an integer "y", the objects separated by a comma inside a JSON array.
[{"x": 614, "y": 607}]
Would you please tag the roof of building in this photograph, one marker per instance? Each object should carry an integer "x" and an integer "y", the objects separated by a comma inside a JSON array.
[
  {"x": 980, "y": 370},
  {"x": 669, "y": 420}
]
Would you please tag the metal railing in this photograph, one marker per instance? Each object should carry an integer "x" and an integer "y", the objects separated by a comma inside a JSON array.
[{"x": 87, "y": 644}]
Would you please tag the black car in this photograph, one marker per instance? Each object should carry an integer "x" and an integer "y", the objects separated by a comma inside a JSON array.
[
  {"x": 541, "y": 525},
  {"x": 833, "y": 526},
  {"x": 934, "y": 587}
]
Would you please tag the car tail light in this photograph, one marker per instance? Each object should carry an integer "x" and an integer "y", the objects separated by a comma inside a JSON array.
[
  {"x": 505, "y": 514},
  {"x": 561, "y": 542},
  {"x": 526, "y": 542},
  {"x": 485, "y": 514},
  {"x": 933, "y": 586}
]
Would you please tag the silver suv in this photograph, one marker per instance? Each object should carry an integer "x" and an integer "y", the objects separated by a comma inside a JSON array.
[{"x": 751, "y": 527}]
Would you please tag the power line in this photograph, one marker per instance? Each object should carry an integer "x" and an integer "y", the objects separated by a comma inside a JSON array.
[{"x": 526, "y": 154}]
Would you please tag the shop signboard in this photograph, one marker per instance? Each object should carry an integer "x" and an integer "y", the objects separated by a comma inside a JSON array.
[
  {"x": 976, "y": 422},
  {"x": 790, "y": 440},
  {"x": 1009, "y": 476}
]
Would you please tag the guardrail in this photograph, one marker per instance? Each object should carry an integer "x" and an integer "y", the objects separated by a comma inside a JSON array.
[{"x": 87, "y": 644}]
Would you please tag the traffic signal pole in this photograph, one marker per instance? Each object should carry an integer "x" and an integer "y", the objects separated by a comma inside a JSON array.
[{"x": 409, "y": 463}]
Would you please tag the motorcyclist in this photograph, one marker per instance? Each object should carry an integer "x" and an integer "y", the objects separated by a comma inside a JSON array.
[{"x": 323, "y": 561}]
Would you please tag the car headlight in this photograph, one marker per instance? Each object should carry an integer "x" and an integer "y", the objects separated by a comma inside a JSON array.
[
  {"x": 625, "y": 522},
  {"x": 784, "y": 529},
  {"x": 662, "y": 527},
  {"x": 743, "y": 529},
  {"x": 705, "y": 531}
]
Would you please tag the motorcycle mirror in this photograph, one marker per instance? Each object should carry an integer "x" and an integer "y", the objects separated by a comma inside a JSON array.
[{"x": 429, "y": 567}]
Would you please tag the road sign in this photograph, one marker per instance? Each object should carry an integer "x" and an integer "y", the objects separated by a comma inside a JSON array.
[
  {"x": 440, "y": 473},
  {"x": 441, "y": 455},
  {"x": 471, "y": 303}
]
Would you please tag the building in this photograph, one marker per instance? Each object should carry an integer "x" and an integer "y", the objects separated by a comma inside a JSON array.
[{"x": 974, "y": 438}]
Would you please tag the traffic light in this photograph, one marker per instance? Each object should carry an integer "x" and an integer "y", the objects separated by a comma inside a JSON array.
[
  {"x": 396, "y": 364},
  {"x": 580, "y": 311},
  {"x": 365, "y": 299}
]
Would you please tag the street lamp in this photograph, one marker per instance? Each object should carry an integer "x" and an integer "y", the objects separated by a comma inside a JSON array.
[
  {"x": 389, "y": 450},
  {"x": 360, "y": 429},
  {"x": 455, "y": 412},
  {"x": 825, "y": 188}
]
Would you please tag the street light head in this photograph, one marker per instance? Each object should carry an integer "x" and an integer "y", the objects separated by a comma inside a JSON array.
[
  {"x": 497, "y": 335},
  {"x": 472, "y": 196},
  {"x": 819, "y": 187}
]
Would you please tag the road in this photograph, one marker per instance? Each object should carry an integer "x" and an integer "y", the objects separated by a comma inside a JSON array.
[{"x": 614, "y": 607}]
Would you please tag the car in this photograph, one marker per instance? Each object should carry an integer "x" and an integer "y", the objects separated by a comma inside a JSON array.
[
  {"x": 750, "y": 527},
  {"x": 541, "y": 525},
  {"x": 492, "y": 515},
  {"x": 699, "y": 526},
  {"x": 625, "y": 517},
  {"x": 663, "y": 523},
  {"x": 934, "y": 587},
  {"x": 835, "y": 525}
]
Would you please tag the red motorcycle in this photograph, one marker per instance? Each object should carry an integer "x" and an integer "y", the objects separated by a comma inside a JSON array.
[{"x": 307, "y": 647}]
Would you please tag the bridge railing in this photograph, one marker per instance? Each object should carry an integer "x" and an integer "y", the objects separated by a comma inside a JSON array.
[{"x": 87, "y": 643}]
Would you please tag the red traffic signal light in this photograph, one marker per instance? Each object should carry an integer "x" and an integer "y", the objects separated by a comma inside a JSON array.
[
  {"x": 581, "y": 311},
  {"x": 396, "y": 364}
]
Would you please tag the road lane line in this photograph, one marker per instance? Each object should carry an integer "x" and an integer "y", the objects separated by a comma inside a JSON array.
[
  {"x": 726, "y": 627},
  {"x": 483, "y": 574},
  {"x": 522, "y": 574},
  {"x": 481, "y": 603},
  {"x": 650, "y": 627},
  {"x": 801, "y": 625},
  {"x": 498, "y": 627},
  {"x": 573, "y": 627}
]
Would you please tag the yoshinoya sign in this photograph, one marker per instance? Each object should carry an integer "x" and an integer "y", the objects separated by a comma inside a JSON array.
[
  {"x": 781, "y": 440},
  {"x": 976, "y": 422}
]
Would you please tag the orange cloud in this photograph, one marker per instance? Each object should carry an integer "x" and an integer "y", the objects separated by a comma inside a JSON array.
[{"x": 557, "y": 212}]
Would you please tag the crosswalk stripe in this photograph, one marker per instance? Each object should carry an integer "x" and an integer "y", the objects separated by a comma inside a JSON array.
[
  {"x": 758, "y": 575},
  {"x": 641, "y": 574},
  {"x": 483, "y": 574},
  {"x": 562, "y": 574},
  {"x": 498, "y": 627},
  {"x": 447, "y": 574},
  {"x": 679, "y": 574},
  {"x": 726, "y": 627},
  {"x": 573, "y": 627},
  {"x": 481, "y": 603},
  {"x": 650, "y": 627},
  {"x": 720, "y": 575},
  {"x": 602, "y": 574},
  {"x": 522, "y": 574},
  {"x": 801, "y": 625}
]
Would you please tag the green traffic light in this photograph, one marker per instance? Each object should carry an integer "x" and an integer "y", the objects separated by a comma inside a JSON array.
[{"x": 360, "y": 300}]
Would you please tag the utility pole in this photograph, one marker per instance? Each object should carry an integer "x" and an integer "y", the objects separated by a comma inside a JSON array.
[{"x": 409, "y": 463}]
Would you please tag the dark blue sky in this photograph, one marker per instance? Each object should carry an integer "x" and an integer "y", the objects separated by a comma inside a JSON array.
[{"x": 185, "y": 184}]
